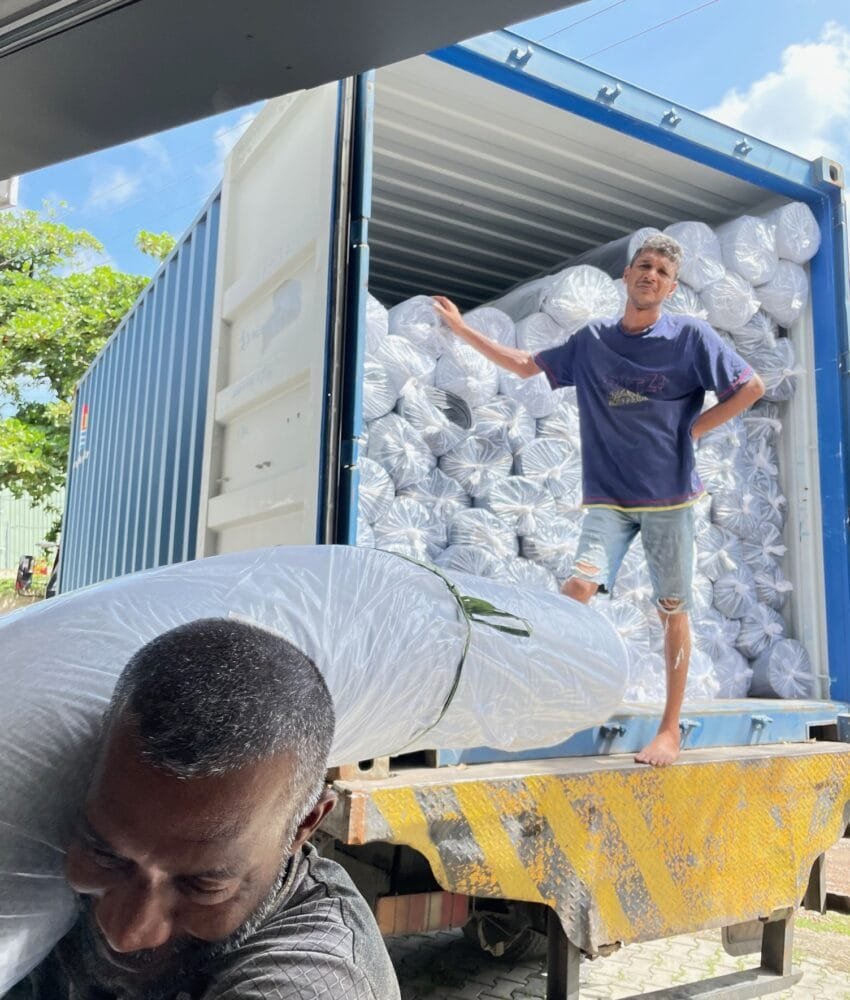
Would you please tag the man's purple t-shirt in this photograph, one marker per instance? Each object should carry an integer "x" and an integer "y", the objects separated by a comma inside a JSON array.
[{"x": 638, "y": 396}]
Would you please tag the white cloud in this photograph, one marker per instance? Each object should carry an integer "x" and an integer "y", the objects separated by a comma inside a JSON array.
[
  {"x": 155, "y": 151},
  {"x": 113, "y": 187},
  {"x": 805, "y": 105}
]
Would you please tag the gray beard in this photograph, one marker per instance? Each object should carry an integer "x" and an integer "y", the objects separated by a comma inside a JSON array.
[{"x": 92, "y": 974}]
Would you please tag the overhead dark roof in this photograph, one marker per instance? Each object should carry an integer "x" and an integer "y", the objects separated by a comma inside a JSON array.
[{"x": 81, "y": 75}]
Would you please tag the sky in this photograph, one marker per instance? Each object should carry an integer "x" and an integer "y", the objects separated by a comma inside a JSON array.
[{"x": 776, "y": 69}]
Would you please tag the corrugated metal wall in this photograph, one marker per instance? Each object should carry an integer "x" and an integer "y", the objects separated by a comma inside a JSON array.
[
  {"x": 23, "y": 525},
  {"x": 137, "y": 436}
]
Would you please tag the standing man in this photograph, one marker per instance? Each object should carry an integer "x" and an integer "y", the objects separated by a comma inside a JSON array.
[
  {"x": 640, "y": 384},
  {"x": 195, "y": 877}
]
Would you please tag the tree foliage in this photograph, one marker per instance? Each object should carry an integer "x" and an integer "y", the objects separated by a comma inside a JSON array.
[
  {"x": 157, "y": 245},
  {"x": 56, "y": 312}
]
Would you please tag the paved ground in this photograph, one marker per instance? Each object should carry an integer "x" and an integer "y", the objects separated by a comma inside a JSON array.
[{"x": 445, "y": 966}]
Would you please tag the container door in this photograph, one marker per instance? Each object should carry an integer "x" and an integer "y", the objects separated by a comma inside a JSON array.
[{"x": 273, "y": 326}]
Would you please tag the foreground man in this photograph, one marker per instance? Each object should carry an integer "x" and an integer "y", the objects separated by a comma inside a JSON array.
[
  {"x": 195, "y": 877},
  {"x": 640, "y": 384}
]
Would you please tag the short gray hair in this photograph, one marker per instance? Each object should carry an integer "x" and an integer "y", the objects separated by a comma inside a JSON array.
[
  {"x": 216, "y": 694},
  {"x": 660, "y": 244}
]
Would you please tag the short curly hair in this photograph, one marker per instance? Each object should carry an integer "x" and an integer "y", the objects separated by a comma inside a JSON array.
[{"x": 666, "y": 246}]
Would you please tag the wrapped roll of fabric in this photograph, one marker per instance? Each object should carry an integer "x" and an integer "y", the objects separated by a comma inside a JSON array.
[
  {"x": 430, "y": 422},
  {"x": 564, "y": 421},
  {"x": 396, "y": 446},
  {"x": 702, "y": 256},
  {"x": 379, "y": 390},
  {"x": 365, "y": 534},
  {"x": 439, "y": 493},
  {"x": 524, "y": 299},
  {"x": 786, "y": 294},
  {"x": 718, "y": 552},
  {"x": 739, "y": 511},
  {"x": 534, "y": 393},
  {"x": 468, "y": 374},
  {"x": 417, "y": 321},
  {"x": 772, "y": 586},
  {"x": 410, "y": 529},
  {"x": 478, "y": 526},
  {"x": 757, "y": 335},
  {"x": 375, "y": 492},
  {"x": 718, "y": 466},
  {"x": 376, "y": 324},
  {"x": 476, "y": 464},
  {"x": 505, "y": 422},
  {"x": 538, "y": 332},
  {"x": 405, "y": 363},
  {"x": 637, "y": 240},
  {"x": 783, "y": 670},
  {"x": 748, "y": 246},
  {"x": 407, "y": 664},
  {"x": 761, "y": 627},
  {"x": 493, "y": 323},
  {"x": 553, "y": 544},
  {"x": 797, "y": 232},
  {"x": 733, "y": 672},
  {"x": 472, "y": 559},
  {"x": 546, "y": 459},
  {"x": 522, "y": 573},
  {"x": 778, "y": 370},
  {"x": 762, "y": 422},
  {"x": 685, "y": 302},
  {"x": 580, "y": 294},
  {"x": 734, "y": 592},
  {"x": 774, "y": 502},
  {"x": 731, "y": 302},
  {"x": 519, "y": 502}
]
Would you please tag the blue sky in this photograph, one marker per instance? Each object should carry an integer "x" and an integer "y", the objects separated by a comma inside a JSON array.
[{"x": 777, "y": 69}]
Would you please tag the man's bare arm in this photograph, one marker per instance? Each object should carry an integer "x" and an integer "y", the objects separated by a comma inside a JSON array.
[
  {"x": 519, "y": 362},
  {"x": 749, "y": 393}
]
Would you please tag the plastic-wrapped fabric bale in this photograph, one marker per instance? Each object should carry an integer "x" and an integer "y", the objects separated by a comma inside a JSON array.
[
  {"x": 417, "y": 321},
  {"x": 778, "y": 371},
  {"x": 730, "y": 302},
  {"x": 734, "y": 592},
  {"x": 519, "y": 503},
  {"x": 405, "y": 363},
  {"x": 739, "y": 511},
  {"x": 478, "y": 526},
  {"x": 388, "y": 636},
  {"x": 375, "y": 492},
  {"x": 580, "y": 294},
  {"x": 410, "y": 529},
  {"x": 439, "y": 493},
  {"x": 761, "y": 627},
  {"x": 773, "y": 500},
  {"x": 550, "y": 460},
  {"x": 505, "y": 422},
  {"x": 647, "y": 681},
  {"x": 476, "y": 464},
  {"x": 718, "y": 552},
  {"x": 733, "y": 672},
  {"x": 431, "y": 423},
  {"x": 365, "y": 534},
  {"x": 468, "y": 374},
  {"x": 525, "y": 298},
  {"x": 630, "y": 623},
  {"x": 553, "y": 544},
  {"x": 772, "y": 586},
  {"x": 379, "y": 390},
  {"x": 786, "y": 294},
  {"x": 685, "y": 302},
  {"x": 702, "y": 682},
  {"x": 493, "y": 323},
  {"x": 564, "y": 420},
  {"x": 471, "y": 559},
  {"x": 762, "y": 422},
  {"x": 717, "y": 466},
  {"x": 760, "y": 457},
  {"x": 534, "y": 393},
  {"x": 524, "y": 573},
  {"x": 702, "y": 257},
  {"x": 376, "y": 324},
  {"x": 713, "y": 626},
  {"x": 538, "y": 332},
  {"x": 757, "y": 335},
  {"x": 637, "y": 240},
  {"x": 702, "y": 595},
  {"x": 396, "y": 446},
  {"x": 783, "y": 670},
  {"x": 797, "y": 232},
  {"x": 748, "y": 246}
]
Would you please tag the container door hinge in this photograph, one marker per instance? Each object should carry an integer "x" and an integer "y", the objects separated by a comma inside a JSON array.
[{"x": 844, "y": 363}]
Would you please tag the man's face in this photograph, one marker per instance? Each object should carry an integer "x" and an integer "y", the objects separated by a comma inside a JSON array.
[
  {"x": 650, "y": 280},
  {"x": 171, "y": 865}
]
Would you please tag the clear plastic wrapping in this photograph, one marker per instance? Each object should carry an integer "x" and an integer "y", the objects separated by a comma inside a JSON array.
[
  {"x": 417, "y": 321},
  {"x": 439, "y": 493},
  {"x": 520, "y": 503},
  {"x": 734, "y": 592},
  {"x": 405, "y": 363},
  {"x": 396, "y": 446},
  {"x": 718, "y": 552},
  {"x": 702, "y": 257},
  {"x": 778, "y": 370},
  {"x": 472, "y": 559},
  {"x": 505, "y": 422},
  {"x": 409, "y": 528},
  {"x": 493, "y": 323},
  {"x": 525, "y": 298},
  {"x": 563, "y": 423},
  {"x": 380, "y": 390},
  {"x": 637, "y": 240},
  {"x": 783, "y": 670},
  {"x": 377, "y": 324},
  {"x": 757, "y": 335},
  {"x": 761, "y": 627},
  {"x": 731, "y": 302},
  {"x": 580, "y": 294},
  {"x": 738, "y": 511},
  {"x": 432, "y": 424},
  {"x": 685, "y": 302},
  {"x": 375, "y": 492},
  {"x": 772, "y": 586},
  {"x": 479, "y": 526},
  {"x": 468, "y": 374},
  {"x": 476, "y": 464},
  {"x": 547, "y": 459},
  {"x": 538, "y": 332},
  {"x": 533, "y": 393},
  {"x": 523, "y": 573},
  {"x": 786, "y": 294},
  {"x": 553, "y": 544},
  {"x": 797, "y": 232},
  {"x": 748, "y": 245},
  {"x": 387, "y": 635}
]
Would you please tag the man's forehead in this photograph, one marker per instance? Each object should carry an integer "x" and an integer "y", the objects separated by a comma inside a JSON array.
[{"x": 654, "y": 257}]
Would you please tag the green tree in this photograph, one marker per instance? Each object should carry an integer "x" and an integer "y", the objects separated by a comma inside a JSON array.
[
  {"x": 56, "y": 312},
  {"x": 157, "y": 245}
]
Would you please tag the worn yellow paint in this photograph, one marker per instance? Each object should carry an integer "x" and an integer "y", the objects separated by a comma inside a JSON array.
[{"x": 625, "y": 853}]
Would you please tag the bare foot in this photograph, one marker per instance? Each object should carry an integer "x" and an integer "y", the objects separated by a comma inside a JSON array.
[{"x": 663, "y": 750}]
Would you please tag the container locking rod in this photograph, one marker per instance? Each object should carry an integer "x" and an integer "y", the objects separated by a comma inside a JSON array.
[
  {"x": 688, "y": 725},
  {"x": 611, "y": 730},
  {"x": 760, "y": 721}
]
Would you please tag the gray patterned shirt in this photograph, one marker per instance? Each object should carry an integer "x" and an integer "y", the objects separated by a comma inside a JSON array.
[{"x": 320, "y": 941}]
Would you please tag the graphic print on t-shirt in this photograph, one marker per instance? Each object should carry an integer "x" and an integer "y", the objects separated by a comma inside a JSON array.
[{"x": 628, "y": 391}]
